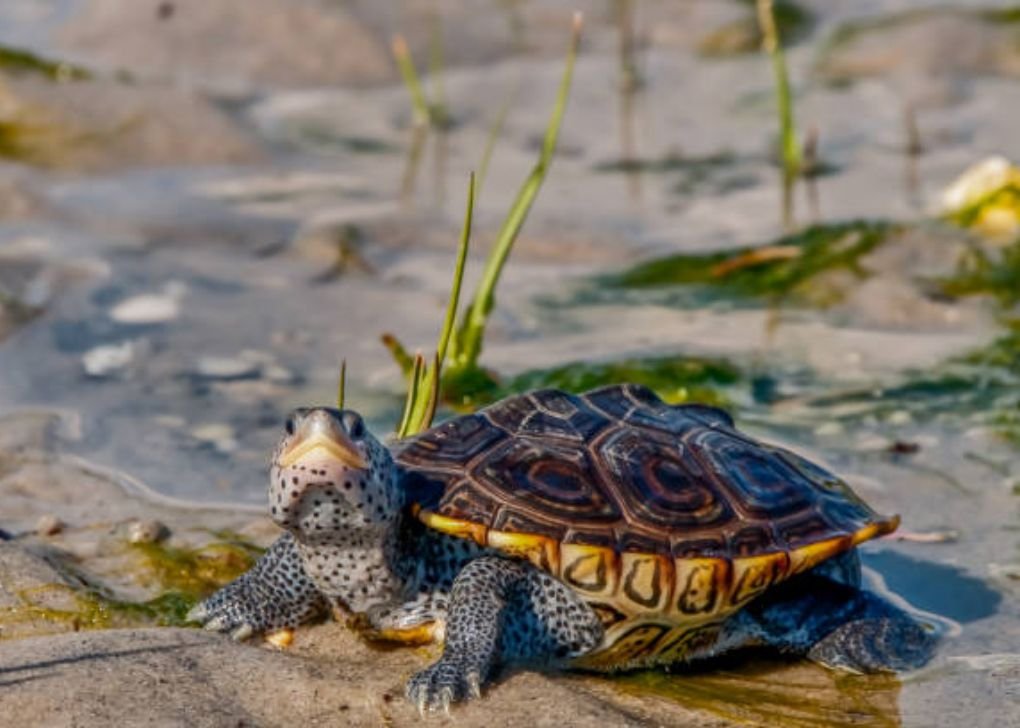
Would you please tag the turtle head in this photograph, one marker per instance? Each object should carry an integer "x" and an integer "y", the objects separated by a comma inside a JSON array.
[{"x": 331, "y": 477}]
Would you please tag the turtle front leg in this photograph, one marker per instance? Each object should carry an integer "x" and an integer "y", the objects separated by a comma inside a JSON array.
[
  {"x": 503, "y": 611},
  {"x": 274, "y": 594}
]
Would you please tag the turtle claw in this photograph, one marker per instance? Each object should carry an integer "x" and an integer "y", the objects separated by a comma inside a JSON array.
[
  {"x": 439, "y": 686},
  {"x": 242, "y": 633},
  {"x": 216, "y": 624},
  {"x": 197, "y": 613}
]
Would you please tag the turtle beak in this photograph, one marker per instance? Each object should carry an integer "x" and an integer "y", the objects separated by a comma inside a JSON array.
[{"x": 320, "y": 434}]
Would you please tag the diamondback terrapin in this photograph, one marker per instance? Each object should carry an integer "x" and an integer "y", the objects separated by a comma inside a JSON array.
[{"x": 607, "y": 531}]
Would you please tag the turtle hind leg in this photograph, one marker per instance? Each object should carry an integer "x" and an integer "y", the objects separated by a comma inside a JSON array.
[
  {"x": 837, "y": 625},
  {"x": 502, "y": 611}
]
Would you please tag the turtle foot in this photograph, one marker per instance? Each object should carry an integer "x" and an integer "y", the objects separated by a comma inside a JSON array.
[
  {"x": 889, "y": 644},
  {"x": 446, "y": 682}
]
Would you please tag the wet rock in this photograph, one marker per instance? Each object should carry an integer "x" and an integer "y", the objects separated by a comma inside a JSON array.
[
  {"x": 219, "y": 435},
  {"x": 147, "y": 530},
  {"x": 913, "y": 45},
  {"x": 104, "y": 125},
  {"x": 29, "y": 586},
  {"x": 329, "y": 678},
  {"x": 108, "y": 359},
  {"x": 231, "y": 44},
  {"x": 49, "y": 525},
  {"x": 146, "y": 309},
  {"x": 223, "y": 367}
]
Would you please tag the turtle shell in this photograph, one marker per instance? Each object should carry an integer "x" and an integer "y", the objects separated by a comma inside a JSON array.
[{"x": 644, "y": 507}]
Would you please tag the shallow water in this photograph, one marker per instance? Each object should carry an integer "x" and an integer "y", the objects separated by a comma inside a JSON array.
[{"x": 217, "y": 291}]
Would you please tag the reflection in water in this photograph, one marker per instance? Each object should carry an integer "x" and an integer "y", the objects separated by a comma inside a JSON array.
[
  {"x": 630, "y": 83},
  {"x": 775, "y": 692},
  {"x": 934, "y": 587},
  {"x": 414, "y": 150}
]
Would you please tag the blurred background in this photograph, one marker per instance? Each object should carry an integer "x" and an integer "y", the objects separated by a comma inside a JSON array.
[{"x": 205, "y": 206}]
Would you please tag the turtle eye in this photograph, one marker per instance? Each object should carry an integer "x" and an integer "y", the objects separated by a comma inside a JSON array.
[
  {"x": 354, "y": 425},
  {"x": 292, "y": 421}
]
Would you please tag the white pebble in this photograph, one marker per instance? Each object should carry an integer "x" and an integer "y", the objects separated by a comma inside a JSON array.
[
  {"x": 108, "y": 358},
  {"x": 145, "y": 309}
]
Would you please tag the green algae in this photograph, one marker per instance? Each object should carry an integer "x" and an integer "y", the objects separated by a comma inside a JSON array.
[
  {"x": 744, "y": 35},
  {"x": 980, "y": 387},
  {"x": 784, "y": 270},
  {"x": 181, "y": 575},
  {"x": 676, "y": 379},
  {"x": 20, "y": 61},
  {"x": 980, "y": 272},
  {"x": 775, "y": 693},
  {"x": 194, "y": 573}
]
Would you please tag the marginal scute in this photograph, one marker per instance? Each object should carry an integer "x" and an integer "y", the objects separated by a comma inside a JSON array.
[
  {"x": 588, "y": 568},
  {"x": 645, "y": 580},
  {"x": 701, "y": 585},
  {"x": 754, "y": 574}
]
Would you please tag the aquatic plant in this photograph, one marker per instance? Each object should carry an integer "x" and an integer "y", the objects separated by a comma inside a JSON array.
[
  {"x": 461, "y": 341},
  {"x": 426, "y": 112},
  {"x": 424, "y": 378},
  {"x": 978, "y": 387},
  {"x": 744, "y": 35},
  {"x": 18, "y": 60},
  {"x": 789, "y": 146},
  {"x": 781, "y": 270},
  {"x": 676, "y": 379},
  {"x": 991, "y": 273}
]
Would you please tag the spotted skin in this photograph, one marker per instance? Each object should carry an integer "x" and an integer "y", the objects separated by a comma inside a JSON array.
[
  {"x": 275, "y": 594},
  {"x": 503, "y": 611},
  {"x": 425, "y": 552}
]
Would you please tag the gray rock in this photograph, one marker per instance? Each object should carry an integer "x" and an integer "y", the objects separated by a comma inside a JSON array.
[
  {"x": 226, "y": 367},
  {"x": 29, "y": 585},
  {"x": 172, "y": 677}
]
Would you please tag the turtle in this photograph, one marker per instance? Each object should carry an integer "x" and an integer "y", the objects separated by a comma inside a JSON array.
[{"x": 602, "y": 531}]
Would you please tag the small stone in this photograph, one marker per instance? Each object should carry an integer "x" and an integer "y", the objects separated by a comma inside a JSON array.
[
  {"x": 102, "y": 361},
  {"x": 278, "y": 374},
  {"x": 146, "y": 531},
  {"x": 829, "y": 429},
  {"x": 900, "y": 417},
  {"x": 146, "y": 309},
  {"x": 218, "y": 434},
  {"x": 49, "y": 525},
  {"x": 221, "y": 367},
  {"x": 874, "y": 443}
]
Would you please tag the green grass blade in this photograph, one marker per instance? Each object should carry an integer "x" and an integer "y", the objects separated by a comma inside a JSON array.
[
  {"x": 789, "y": 147},
  {"x": 458, "y": 273},
  {"x": 404, "y": 360},
  {"x": 496, "y": 131},
  {"x": 341, "y": 385},
  {"x": 467, "y": 345},
  {"x": 402, "y": 56},
  {"x": 412, "y": 396},
  {"x": 424, "y": 407}
]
